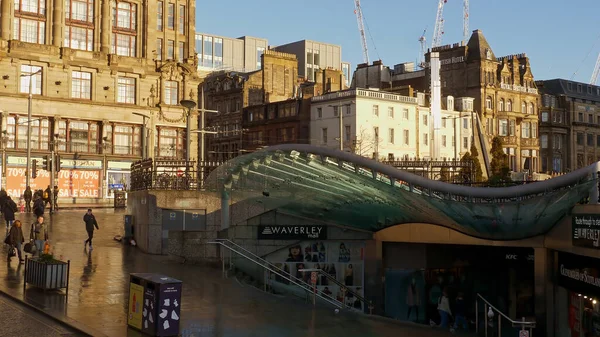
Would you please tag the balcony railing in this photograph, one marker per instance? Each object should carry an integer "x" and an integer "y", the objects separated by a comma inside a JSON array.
[{"x": 76, "y": 147}]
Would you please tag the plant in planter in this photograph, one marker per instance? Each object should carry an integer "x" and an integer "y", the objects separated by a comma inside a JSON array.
[{"x": 46, "y": 272}]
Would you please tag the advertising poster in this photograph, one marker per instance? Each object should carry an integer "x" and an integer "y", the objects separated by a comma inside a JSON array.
[
  {"x": 342, "y": 260},
  {"x": 169, "y": 310},
  {"x": 136, "y": 294},
  {"x": 72, "y": 183}
]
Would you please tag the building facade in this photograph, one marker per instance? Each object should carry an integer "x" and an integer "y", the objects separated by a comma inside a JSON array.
[
  {"x": 92, "y": 68},
  {"x": 313, "y": 56},
  {"x": 217, "y": 53},
  {"x": 569, "y": 125},
  {"x": 388, "y": 127}
]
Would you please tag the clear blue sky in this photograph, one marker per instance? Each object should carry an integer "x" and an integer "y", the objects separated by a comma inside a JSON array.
[{"x": 557, "y": 35}]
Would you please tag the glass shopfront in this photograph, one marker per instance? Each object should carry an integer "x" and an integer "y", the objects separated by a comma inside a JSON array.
[
  {"x": 577, "y": 311},
  {"x": 118, "y": 174}
]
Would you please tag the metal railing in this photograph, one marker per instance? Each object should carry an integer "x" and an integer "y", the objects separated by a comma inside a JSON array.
[
  {"x": 343, "y": 287},
  {"x": 302, "y": 285},
  {"x": 491, "y": 313}
]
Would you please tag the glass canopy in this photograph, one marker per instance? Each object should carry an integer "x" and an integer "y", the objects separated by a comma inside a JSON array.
[{"x": 350, "y": 190}]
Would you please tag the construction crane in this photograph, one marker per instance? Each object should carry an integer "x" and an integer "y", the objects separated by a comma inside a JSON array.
[
  {"x": 423, "y": 42},
  {"x": 465, "y": 21},
  {"x": 438, "y": 31},
  {"x": 596, "y": 72},
  {"x": 361, "y": 29}
]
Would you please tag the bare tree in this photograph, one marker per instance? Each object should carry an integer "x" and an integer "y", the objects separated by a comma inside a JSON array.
[{"x": 365, "y": 143}]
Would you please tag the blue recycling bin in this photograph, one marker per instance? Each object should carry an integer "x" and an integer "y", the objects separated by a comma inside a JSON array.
[{"x": 161, "y": 305}]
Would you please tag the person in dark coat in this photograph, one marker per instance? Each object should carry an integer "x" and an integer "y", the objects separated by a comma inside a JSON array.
[
  {"x": 15, "y": 239},
  {"x": 46, "y": 195},
  {"x": 90, "y": 223},
  {"x": 9, "y": 211},
  {"x": 38, "y": 206},
  {"x": 28, "y": 196},
  {"x": 3, "y": 197}
]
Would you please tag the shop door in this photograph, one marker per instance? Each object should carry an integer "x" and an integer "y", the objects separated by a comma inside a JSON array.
[{"x": 404, "y": 295}]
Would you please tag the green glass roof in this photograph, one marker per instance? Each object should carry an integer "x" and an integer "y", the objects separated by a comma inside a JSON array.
[{"x": 354, "y": 191}]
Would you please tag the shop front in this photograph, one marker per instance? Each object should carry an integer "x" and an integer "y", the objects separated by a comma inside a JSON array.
[
  {"x": 76, "y": 179},
  {"x": 577, "y": 311},
  {"x": 118, "y": 174}
]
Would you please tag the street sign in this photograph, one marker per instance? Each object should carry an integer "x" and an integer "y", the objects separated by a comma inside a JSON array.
[
  {"x": 524, "y": 333},
  {"x": 313, "y": 277}
]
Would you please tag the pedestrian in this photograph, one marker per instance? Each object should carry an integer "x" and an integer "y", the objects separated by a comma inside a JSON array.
[
  {"x": 39, "y": 234},
  {"x": 459, "y": 313},
  {"x": 15, "y": 239},
  {"x": 38, "y": 206},
  {"x": 28, "y": 196},
  {"x": 90, "y": 223},
  {"x": 9, "y": 211},
  {"x": 55, "y": 192},
  {"x": 444, "y": 309},
  {"x": 46, "y": 196}
]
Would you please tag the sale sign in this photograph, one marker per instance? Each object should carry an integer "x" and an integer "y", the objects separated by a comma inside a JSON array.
[{"x": 71, "y": 183}]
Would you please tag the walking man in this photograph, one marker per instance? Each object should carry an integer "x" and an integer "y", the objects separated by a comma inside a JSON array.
[
  {"x": 39, "y": 234},
  {"x": 28, "y": 196},
  {"x": 90, "y": 223}
]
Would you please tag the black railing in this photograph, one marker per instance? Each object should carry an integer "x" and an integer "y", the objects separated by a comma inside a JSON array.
[
  {"x": 76, "y": 147},
  {"x": 169, "y": 174}
]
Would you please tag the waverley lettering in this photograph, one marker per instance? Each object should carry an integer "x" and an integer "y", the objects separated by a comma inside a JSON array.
[
  {"x": 579, "y": 276},
  {"x": 291, "y": 232}
]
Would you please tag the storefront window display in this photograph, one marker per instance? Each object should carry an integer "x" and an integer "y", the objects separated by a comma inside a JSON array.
[
  {"x": 405, "y": 295},
  {"x": 343, "y": 260}
]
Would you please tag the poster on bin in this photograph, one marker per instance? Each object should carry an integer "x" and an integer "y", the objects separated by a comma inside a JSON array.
[
  {"x": 72, "y": 183},
  {"x": 169, "y": 309},
  {"x": 136, "y": 293},
  {"x": 149, "y": 314}
]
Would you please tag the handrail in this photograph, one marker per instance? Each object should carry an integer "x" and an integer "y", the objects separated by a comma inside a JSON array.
[
  {"x": 320, "y": 271},
  {"x": 368, "y": 304},
  {"x": 334, "y": 303},
  {"x": 504, "y": 315},
  {"x": 488, "y": 320}
]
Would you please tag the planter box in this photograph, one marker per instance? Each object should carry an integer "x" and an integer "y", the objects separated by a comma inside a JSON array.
[{"x": 53, "y": 275}]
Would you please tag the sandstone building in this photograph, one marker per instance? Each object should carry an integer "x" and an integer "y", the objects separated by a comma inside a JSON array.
[{"x": 91, "y": 66}]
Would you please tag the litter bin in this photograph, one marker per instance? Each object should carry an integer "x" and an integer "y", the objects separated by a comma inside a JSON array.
[
  {"x": 154, "y": 304},
  {"x": 120, "y": 201},
  {"x": 128, "y": 224}
]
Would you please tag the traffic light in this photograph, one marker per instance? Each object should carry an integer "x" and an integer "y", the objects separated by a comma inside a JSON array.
[
  {"x": 34, "y": 169},
  {"x": 57, "y": 167},
  {"x": 47, "y": 162}
]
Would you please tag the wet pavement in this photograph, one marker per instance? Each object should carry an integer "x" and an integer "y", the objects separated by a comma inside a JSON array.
[{"x": 211, "y": 305}]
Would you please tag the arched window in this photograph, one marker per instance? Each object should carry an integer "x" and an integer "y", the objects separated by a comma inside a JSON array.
[
  {"x": 501, "y": 105},
  {"x": 531, "y": 108},
  {"x": 488, "y": 102},
  {"x": 523, "y": 107},
  {"x": 509, "y": 105}
]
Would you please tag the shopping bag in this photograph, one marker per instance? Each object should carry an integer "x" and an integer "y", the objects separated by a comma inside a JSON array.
[
  {"x": 11, "y": 251},
  {"x": 28, "y": 247}
]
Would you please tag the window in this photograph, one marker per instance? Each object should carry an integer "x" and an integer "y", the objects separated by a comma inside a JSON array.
[
  {"x": 444, "y": 122},
  {"x": 376, "y": 110},
  {"x": 160, "y": 16},
  {"x": 525, "y": 130},
  {"x": 376, "y": 134},
  {"x": 259, "y": 52},
  {"x": 79, "y": 29},
  {"x": 171, "y": 16},
  {"x": 579, "y": 138},
  {"x": 207, "y": 60},
  {"x": 34, "y": 80},
  {"x": 181, "y": 24},
  {"x": 590, "y": 139},
  {"x": 580, "y": 117},
  {"x": 511, "y": 127},
  {"x": 126, "y": 139},
  {"x": 501, "y": 105},
  {"x": 579, "y": 88},
  {"x": 391, "y": 136},
  {"x": 406, "y": 137},
  {"x": 170, "y": 50},
  {"x": 391, "y": 112},
  {"x": 171, "y": 142},
  {"x": 570, "y": 86},
  {"x": 335, "y": 111},
  {"x": 598, "y": 139},
  {"x": 324, "y": 135},
  {"x": 531, "y": 108},
  {"x": 348, "y": 133},
  {"x": 30, "y": 21},
  {"x": 465, "y": 142},
  {"x": 544, "y": 141},
  {"x": 444, "y": 141},
  {"x": 126, "y": 90},
  {"x": 171, "y": 92},
  {"x": 181, "y": 51},
  {"x": 424, "y": 119},
  {"x": 425, "y": 139},
  {"x": 503, "y": 127},
  {"x": 523, "y": 107},
  {"x": 545, "y": 116},
  {"x": 465, "y": 123},
  {"x": 16, "y": 131},
  {"x": 218, "y": 52},
  {"x": 591, "y": 119},
  {"x": 81, "y": 85},
  {"x": 159, "y": 49},
  {"x": 82, "y": 135},
  {"x": 319, "y": 112},
  {"x": 405, "y": 113},
  {"x": 124, "y": 29},
  {"x": 509, "y": 105},
  {"x": 488, "y": 103},
  {"x": 533, "y": 130}
]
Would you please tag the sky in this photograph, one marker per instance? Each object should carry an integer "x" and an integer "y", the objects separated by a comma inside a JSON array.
[{"x": 561, "y": 38}]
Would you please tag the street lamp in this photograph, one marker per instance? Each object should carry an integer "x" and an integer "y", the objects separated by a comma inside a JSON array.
[
  {"x": 144, "y": 136},
  {"x": 340, "y": 114},
  {"x": 29, "y": 108}
]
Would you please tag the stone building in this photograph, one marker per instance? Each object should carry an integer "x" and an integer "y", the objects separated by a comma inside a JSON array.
[
  {"x": 569, "y": 125},
  {"x": 93, "y": 67},
  {"x": 230, "y": 92}
]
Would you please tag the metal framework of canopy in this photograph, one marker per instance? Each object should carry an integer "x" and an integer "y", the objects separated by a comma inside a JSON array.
[{"x": 354, "y": 191}]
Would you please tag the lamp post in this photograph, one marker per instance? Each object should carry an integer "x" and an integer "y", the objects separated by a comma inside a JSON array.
[
  {"x": 29, "y": 108},
  {"x": 340, "y": 114},
  {"x": 144, "y": 136}
]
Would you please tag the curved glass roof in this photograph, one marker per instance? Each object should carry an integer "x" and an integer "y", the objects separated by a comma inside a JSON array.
[{"x": 354, "y": 191}]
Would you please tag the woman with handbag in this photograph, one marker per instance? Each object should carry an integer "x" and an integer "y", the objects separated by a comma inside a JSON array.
[{"x": 15, "y": 239}]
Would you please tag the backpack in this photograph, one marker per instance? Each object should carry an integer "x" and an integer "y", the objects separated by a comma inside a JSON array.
[{"x": 45, "y": 195}]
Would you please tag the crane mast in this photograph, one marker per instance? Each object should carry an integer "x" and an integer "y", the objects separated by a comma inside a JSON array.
[
  {"x": 465, "y": 21},
  {"x": 423, "y": 42},
  {"x": 596, "y": 72},
  {"x": 361, "y": 29},
  {"x": 438, "y": 31}
]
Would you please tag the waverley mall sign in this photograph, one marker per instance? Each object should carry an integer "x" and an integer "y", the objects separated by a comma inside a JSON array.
[{"x": 292, "y": 232}]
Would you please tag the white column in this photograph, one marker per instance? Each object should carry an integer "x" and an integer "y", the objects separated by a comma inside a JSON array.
[{"x": 436, "y": 105}]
